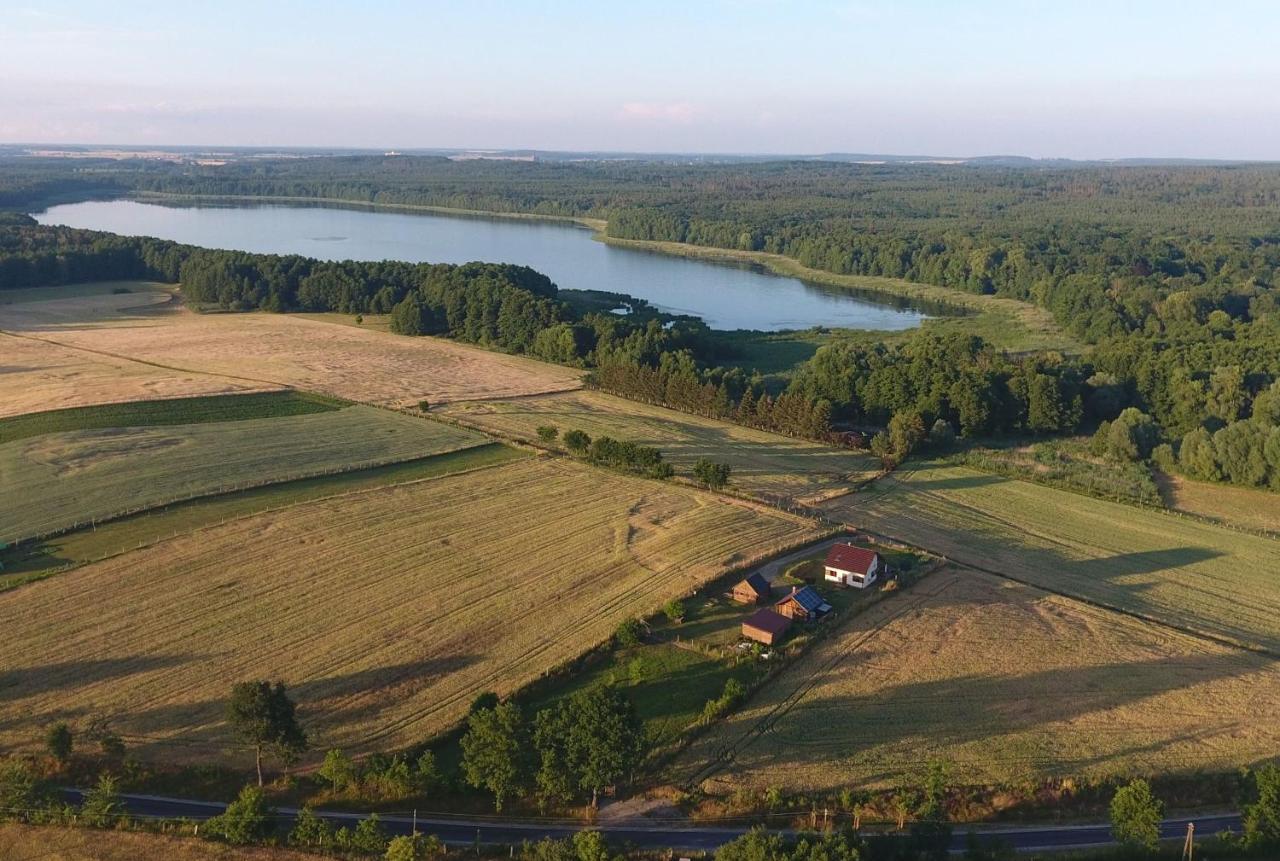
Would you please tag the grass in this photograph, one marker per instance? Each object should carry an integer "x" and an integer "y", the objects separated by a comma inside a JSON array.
[
  {"x": 668, "y": 685},
  {"x": 77, "y": 477},
  {"x": 1066, "y": 464},
  {"x": 1005, "y": 683},
  {"x": 74, "y": 291},
  {"x": 764, "y": 464},
  {"x": 264, "y": 350},
  {"x": 36, "y": 560},
  {"x": 175, "y": 411},
  {"x": 1246, "y": 507},
  {"x": 385, "y": 612},
  {"x": 50, "y": 843},
  {"x": 1176, "y": 570}
]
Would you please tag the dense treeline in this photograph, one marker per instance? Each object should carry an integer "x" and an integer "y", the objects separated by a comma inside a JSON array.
[{"x": 1170, "y": 271}]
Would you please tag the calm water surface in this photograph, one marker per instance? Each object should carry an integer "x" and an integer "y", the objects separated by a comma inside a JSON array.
[{"x": 724, "y": 295}]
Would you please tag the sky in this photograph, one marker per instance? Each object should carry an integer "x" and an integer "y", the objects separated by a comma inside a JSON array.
[{"x": 1072, "y": 78}]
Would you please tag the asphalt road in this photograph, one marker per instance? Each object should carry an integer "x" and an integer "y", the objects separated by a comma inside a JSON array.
[{"x": 489, "y": 831}]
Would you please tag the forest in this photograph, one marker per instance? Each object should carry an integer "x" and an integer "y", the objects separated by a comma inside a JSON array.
[{"x": 1167, "y": 273}]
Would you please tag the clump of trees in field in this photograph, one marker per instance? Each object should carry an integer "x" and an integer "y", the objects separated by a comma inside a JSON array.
[
  {"x": 574, "y": 750},
  {"x": 629, "y": 456}
]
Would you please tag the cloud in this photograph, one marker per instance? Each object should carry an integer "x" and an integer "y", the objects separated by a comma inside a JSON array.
[{"x": 681, "y": 113}]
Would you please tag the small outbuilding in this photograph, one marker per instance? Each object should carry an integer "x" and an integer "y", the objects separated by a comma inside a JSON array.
[
  {"x": 765, "y": 626},
  {"x": 753, "y": 590},
  {"x": 853, "y": 566},
  {"x": 803, "y": 604}
]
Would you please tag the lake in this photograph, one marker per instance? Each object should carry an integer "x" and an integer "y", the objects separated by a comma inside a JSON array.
[{"x": 725, "y": 295}]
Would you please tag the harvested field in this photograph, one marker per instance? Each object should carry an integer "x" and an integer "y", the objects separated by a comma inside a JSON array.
[
  {"x": 36, "y": 376},
  {"x": 764, "y": 464},
  {"x": 1005, "y": 682},
  {"x": 35, "y": 560},
  {"x": 384, "y": 612},
  {"x": 1240, "y": 506},
  {"x": 1177, "y": 570},
  {"x": 271, "y": 350},
  {"x": 76, "y": 477}
]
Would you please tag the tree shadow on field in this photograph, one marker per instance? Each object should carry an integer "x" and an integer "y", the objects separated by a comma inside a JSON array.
[
  {"x": 18, "y": 684},
  {"x": 967, "y": 708}
]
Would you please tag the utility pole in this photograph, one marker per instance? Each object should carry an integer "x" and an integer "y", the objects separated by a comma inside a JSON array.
[{"x": 1189, "y": 845}]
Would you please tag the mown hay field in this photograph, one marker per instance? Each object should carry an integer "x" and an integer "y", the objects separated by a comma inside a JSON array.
[
  {"x": 385, "y": 612},
  {"x": 764, "y": 464},
  {"x": 36, "y": 375},
  {"x": 270, "y": 350},
  {"x": 1177, "y": 570},
  {"x": 1003, "y": 682},
  {"x": 1248, "y": 507},
  {"x": 54, "y": 481}
]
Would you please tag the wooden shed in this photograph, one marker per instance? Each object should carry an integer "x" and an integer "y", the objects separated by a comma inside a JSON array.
[
  {"x": 803, "y": 604},
  {"x": 765, "y": 626},
  {"x": 754, "y": 590}
]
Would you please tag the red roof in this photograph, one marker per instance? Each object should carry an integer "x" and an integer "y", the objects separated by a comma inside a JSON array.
[
  {"x": 768, "y": 621},
  {"x": 846, "y": 557}
]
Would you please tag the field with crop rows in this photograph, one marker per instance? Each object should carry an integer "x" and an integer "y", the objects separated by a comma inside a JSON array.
[
  {"x": 1173, "y": 569},
  {"x": 385, "y": 612},
  {"x": 270, "y": 350},
  {"x": 76, "y": 477},
  {"x": 1002, "y": 681},
  {"x": 763, "y": 463}
]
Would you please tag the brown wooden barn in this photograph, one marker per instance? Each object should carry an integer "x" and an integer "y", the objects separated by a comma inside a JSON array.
[
  {"x": 765, "y": 626},
  {"x": 754, "y": 590}
]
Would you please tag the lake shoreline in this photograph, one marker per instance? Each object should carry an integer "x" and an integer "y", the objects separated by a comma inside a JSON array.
[{"x": 988, "y": 314}]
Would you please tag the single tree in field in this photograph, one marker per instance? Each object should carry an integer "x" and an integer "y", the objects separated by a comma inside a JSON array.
[
  {"x": 1135, "y": 816},
  {"x": 495, "y": 751},
  {"x": 59, "y": 742},
  {"x": 711, "y": 474},
  {"x": 338, "y": 769},
  {"x": 263, "y": 715}
]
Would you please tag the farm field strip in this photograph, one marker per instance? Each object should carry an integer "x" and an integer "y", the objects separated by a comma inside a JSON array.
[
  {"x": 77, "y": 477},
  {"x": 36, "y": 375},
  {"x": 283, "y": 350},
  {"x": 1175, "y": 570},
  {"x": 386, "y": 611},
  {"x": 764, "y": 464},
  {"x": 1003, "y": 680},
  {"x": 36, "y": 560}
]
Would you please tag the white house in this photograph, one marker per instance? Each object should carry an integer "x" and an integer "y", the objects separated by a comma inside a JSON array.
[{"x": 852, "y": 566}]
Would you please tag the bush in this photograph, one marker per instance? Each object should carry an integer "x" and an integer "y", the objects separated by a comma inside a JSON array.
[
  {"x": 246, "y": 820},
  {"x": 1135, "y": 816},
  {"x": 310, "y": 830},
  {"x": 59, "y": 742},
  {"x": 711, "y": 474},
  {"x": 627, "y": 633},
  {"x": 18, "y": 789},
  {"x": 577, "y": 441},
  {"x": 548, "y": 433},
  {"x": 674, "y": 610},
  {"x": 412, "y": 848},
  {"x": 101, "y": 807},
  {"x": 1262, "y": 817}
]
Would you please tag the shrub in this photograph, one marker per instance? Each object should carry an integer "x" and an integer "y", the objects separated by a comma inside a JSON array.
[
  {"x": 424, "y": 405},
  {"x": 18, "y": 789},
  {"x": 59, "y": 741},
  {"x": 711, "y": 474},
  {"x": 338, "y": 769},
  {"x": 310, "y": 830},
  {"x": 101, "y": 807},
  {"x": 627, "y": 633},
  {"x": 1135, "y": 816},
  {"x": 1262, "y": 817},
  {"x": 577, "y": 441},
  {"x": 548, "y": 433},
  {"x": 414, "y": 847},
  {"x": 246, "y": 820},
  {"x": 674, "y": 610}
]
